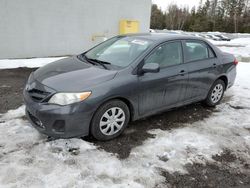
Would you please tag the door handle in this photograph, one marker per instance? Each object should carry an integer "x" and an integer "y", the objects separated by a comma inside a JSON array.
[
  {"x": 182, "y": 72},
  {"x": 214, "y": 65}
]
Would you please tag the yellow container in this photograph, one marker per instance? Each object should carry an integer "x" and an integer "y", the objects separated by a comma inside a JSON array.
[{"x": 129, "y": 26}]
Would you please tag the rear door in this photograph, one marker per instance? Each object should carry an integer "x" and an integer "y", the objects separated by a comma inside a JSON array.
[
  {"x": 167, "y": 87},
  {"x": 202, "y": 66}
]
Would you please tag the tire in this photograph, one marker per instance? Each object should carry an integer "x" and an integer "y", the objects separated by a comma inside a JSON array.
[
  {"x": 216, "y": 93},
  {"x": 110, "y": 120}
]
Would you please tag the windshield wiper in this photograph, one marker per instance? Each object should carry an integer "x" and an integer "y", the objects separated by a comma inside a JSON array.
[
  {"x": 100, "y": 62},
  {"x": 96, "y": 62},
  {"x": 85, "y": 59}
]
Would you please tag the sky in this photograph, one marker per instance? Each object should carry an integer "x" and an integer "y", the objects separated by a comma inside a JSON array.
[{"x": 164, "y": 3}]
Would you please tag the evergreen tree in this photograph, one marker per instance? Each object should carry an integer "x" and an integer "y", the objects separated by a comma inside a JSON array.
[
  {"x": 212, "y": 15},
  {"x": 157, "y": 18}
]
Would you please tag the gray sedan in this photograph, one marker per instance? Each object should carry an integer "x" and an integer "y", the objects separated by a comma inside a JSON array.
[{"x": 123, "y": 79}]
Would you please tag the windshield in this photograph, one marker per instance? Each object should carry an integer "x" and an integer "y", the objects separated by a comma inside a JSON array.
[{"x": 119, "y": 51}]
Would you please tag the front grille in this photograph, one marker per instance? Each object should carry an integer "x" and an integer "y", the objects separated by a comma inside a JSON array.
[{"x": 38, "y": 95}]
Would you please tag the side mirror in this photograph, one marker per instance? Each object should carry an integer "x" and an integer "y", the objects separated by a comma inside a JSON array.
[{"x": 151, "y": 67}]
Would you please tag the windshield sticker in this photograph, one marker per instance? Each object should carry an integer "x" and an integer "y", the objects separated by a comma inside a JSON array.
[{"x": 140, "y": 42}]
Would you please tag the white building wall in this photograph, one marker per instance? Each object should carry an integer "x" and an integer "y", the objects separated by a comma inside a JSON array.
[{"x": 41, "y": 28}]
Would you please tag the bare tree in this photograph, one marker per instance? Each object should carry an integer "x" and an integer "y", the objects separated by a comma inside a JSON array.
[{"x": 176, "y": 17}]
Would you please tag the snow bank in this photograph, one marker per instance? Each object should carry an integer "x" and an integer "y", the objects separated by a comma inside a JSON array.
[
  {"x": 233, "y": 42},
  {"x": 240, "y": 47},
  {"x": 28, "y": 159},
  {"x": 241, "y": 53},
  {"x": 30, "y": 63}
]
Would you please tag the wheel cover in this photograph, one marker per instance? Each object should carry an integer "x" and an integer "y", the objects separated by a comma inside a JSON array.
[
  {"x": 217, "y": 93},
  {"x": 112, "y": 121}
]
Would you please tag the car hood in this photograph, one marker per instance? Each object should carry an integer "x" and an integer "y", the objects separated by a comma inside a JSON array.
[{"x": 72, "y": 75}]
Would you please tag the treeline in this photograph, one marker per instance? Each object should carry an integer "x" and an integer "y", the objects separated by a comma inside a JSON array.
[{"x": 230, "y": 16}]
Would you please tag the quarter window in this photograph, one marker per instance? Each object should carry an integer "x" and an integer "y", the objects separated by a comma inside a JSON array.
[
  {"x": 198, "y": 51},
  {"x": 166, "y": 55},
  {"x": 211, "y": 53}
]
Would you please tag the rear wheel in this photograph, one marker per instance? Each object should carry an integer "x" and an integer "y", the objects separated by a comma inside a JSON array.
[
  {"x": 110, "y": 120},
  {"x": 216, "y": 93}
]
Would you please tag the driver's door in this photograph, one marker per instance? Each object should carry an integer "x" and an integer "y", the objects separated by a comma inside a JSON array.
[{"x": 166, "y": 88}]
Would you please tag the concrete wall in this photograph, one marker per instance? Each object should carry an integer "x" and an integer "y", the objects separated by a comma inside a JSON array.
[{"x": 40, "y": 28}]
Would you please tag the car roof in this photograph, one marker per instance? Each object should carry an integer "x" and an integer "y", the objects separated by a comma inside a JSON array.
[{"x": 161, "y": 37}]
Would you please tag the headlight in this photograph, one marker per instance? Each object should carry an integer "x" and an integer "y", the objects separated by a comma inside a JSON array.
[{"x": 68, "y": 98}]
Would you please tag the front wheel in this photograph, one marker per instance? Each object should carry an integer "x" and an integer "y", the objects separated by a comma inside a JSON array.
[
  {"x": 216, "y": 93},
  {"x": 110, "y": 120}
]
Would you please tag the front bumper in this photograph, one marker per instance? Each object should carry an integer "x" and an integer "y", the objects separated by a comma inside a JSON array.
[{"x": 59, "y": 121}]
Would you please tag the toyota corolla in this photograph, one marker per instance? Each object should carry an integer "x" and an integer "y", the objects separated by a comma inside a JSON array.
[{"x": 123, "y": 79}]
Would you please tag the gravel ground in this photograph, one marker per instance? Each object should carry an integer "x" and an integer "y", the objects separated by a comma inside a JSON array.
[
  {"x": 11, "y": 86},
  {"x": 218, "y": 174}
]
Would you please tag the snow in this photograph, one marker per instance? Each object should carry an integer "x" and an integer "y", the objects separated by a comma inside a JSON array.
[
  {"x": 240, "y": 47},
  {"x": 31, "y": 63},
  {"x": 28, "y": 159},
  {"x": 233, "y": 42},
  {"x": 241, "y": 53}
]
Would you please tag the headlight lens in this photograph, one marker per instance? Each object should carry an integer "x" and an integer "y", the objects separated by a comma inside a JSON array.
[{"x": 68, "y": 98}]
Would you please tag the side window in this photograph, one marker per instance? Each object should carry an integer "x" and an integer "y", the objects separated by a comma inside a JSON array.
[
  {"x": 196, "y": 51},
  {"x": 166, "y": 55}
]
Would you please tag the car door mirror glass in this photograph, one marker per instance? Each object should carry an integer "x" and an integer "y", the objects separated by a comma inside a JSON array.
[{"x": 151, "y": 67}]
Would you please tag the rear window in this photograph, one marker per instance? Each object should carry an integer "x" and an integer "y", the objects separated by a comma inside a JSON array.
[{"x": 198, "y": 50}]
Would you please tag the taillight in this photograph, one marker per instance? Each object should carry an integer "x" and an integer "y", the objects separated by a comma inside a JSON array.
[{"x": 235, "y": 61}]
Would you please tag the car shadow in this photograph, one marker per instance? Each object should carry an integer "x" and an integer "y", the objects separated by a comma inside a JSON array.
[{"x": 137, "y": 132}]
